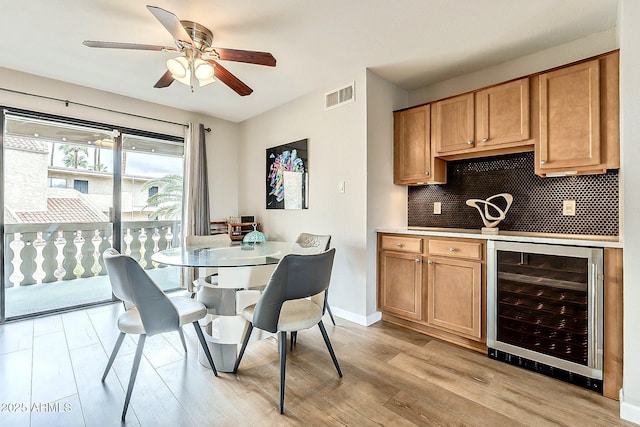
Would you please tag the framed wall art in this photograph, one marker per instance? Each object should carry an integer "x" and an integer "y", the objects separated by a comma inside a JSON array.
[{"x": 288, "y": 176}]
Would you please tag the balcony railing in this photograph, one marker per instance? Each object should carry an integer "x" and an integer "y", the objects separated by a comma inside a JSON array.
[{"x": 44, "y": 253}]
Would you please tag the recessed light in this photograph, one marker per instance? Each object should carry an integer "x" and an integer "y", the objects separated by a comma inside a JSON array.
[
  {"x": 64, "y": 139},
  {"x": 133, "y": 147},
  {"x": 153, "y": 150},
  {"x": 36, "y": 135}
]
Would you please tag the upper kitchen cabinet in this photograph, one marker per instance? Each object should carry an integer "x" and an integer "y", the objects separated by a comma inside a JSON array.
[
  {"x": 579, "y": 118},
  {"x": 453, "y": 124},
  {"x": 412, "y": 155},
  {"x": 491, "y": 121},
  {"x": 502, "y": 114}
]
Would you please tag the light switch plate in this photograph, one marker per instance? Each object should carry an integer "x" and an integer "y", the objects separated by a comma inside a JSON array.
[
  {"x": 569, "y": 208},
  {"x": 437, "y": 208},
  {"x": 341, "y": 185}
]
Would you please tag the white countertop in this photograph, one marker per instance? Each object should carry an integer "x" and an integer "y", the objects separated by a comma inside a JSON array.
[{"x": 512, "y": 236}]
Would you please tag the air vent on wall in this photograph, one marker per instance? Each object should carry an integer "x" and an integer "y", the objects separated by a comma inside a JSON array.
[{"x": 340, "y": 96}]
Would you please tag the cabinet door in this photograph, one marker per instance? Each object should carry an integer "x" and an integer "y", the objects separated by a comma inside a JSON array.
[
  {"x": 570, "y": 117},
  {"x": 454, "y": 301},
  {"x": 412, "y": 145},
  {"x": 502, "y": 114},
  {"x": 452, "y": 124},
  {"x": 400, "y": 291}
]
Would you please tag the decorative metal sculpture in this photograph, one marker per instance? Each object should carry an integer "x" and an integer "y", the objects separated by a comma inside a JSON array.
[{"x": 490, "y": 220}]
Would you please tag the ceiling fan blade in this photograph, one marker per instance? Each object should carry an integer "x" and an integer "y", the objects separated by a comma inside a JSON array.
[
  {"x": 230, "y": 80},
  {"x": 172, "y": 24},
  {"x": 133, "y": 46},
  {"x": 165, "y": 80},
  {"x": 248, "y": 56}
]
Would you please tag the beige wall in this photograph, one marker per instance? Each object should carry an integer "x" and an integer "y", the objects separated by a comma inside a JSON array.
[
  {"x": 386, "y": 202},
  {"x": 337, "y": 152},
  {"x": 629, "y": 33}
]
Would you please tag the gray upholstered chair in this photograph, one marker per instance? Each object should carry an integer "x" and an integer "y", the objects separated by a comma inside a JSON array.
[
  {"x": 284, "y": 305},
  {"x": 151, "y": 312},
  {"x": 322, "y": 242},
  {"x": 208, "y": 274}
]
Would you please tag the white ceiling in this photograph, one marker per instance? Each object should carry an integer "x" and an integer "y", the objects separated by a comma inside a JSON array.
[{"x": 317, "y": 43}]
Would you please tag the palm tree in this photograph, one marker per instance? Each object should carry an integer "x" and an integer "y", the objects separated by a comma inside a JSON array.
[
  {"x": 168, "y": 199},
  {"x": 74, "y": 156}
]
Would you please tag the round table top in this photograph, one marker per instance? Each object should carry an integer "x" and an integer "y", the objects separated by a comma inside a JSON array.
[{"x": 244, "y": 255}]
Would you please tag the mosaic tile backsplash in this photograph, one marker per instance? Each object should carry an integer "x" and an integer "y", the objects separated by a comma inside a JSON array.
[{"x": 537, "y": 202}]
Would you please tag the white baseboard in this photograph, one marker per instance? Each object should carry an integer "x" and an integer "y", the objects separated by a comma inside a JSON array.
[
  {"x": 629, "y": 411},
  {"x": 357, "y": 318}
]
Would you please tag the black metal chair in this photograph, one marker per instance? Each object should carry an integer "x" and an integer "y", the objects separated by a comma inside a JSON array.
[{"x": 284, "y": 305}]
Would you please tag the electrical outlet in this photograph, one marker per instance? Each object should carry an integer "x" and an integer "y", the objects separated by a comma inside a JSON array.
[
  {"x": 437, "y": 208},
  {"x": 569, "y": 208}
]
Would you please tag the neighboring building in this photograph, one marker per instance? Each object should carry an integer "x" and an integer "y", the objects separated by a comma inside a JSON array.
[{"x": 62, "y": 194}]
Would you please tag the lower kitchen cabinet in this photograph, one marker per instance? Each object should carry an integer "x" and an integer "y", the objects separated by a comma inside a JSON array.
[
  {"x": 400, "y": 284},
  {"x": 454, "y": 290},
  {"x": 434, "y": 286}
]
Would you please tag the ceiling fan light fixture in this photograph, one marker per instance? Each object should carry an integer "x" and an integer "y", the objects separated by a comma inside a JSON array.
[
  {"x": 203, "y": 70},
  {"x": 206, "y": 82},
  {"x": 179, "y": 67}
]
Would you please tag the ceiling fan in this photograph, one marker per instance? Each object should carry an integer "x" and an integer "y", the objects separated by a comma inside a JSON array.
[{"x": 198, "y": 60}]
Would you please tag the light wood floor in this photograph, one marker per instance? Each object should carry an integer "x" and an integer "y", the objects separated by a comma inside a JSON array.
[{"x": 392, "y": 377}]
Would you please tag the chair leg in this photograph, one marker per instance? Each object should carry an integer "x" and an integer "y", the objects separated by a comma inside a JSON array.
[
  {"x": 282, "y": 347},
  {"x": 184, "y": 343},
  {"x": 328, "y": 343},
  {"x": 245, "y": 341},
  {"x": 326, "y": 307},
  {"x": 294, "y": 339},
  {"x": 115, "y": 350},
  {"x": 134, "y": 372},
  {"x": 205, "y": 347}
]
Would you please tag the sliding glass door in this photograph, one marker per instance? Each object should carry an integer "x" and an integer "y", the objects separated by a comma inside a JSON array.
[
  {"x": 71, "y": 190},
  {"x": 151, "y": 202}
]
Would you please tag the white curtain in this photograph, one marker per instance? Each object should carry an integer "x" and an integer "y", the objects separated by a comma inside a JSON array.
[{"x": 195, "y": 215}]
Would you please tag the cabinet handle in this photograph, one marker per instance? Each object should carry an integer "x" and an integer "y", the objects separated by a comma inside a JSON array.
[
  {"x": 426, "y": 173},
  {"x": 542, "y": 162},
  {"x": 469, "y": 142},
  {"x": 418, "y": 260},
  {"x": 452, "y": 249},
  {"x": 485, "y": 139},
  {"x": 399, "y": 245},
  {"x": 429, "y": 262}
]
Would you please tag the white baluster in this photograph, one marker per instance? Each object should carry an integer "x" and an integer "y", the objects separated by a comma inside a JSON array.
[
  {"x": 39, "y": 244},
  {"x": 78, "y": 241},
  {"x": 156, "y": 238},
  {"x": 59, "y": 243},
  {"x": 169, "y": 236},
  {"x": 142, "y": 238},
  {"x": 16, "y": 246},
  {"x": 96, "y": 268},
  {"x": 128, "y": 238}
]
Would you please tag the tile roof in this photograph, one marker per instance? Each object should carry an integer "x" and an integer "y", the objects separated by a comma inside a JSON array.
[
  {"x": 62, "y": 210},
  {"x": 26, "y": 144}
]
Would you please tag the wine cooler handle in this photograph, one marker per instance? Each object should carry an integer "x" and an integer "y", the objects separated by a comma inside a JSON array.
[{"x": 593, "y": 316}]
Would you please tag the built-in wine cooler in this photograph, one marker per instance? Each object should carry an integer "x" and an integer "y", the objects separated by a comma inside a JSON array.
[{"x": 544, "y": 309}]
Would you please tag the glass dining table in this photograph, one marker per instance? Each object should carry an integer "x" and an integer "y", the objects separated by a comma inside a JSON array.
[
  {"x": 242, "y": 271},
  {"x": 243, "y": 255}
]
